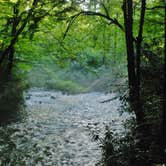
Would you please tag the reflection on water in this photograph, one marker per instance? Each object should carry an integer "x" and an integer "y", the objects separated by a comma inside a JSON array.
[{"x": 59, "y": 129}]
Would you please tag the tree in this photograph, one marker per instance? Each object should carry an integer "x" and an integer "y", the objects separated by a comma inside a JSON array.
[
  {"x": 24, "y": 18},
  {"x": 17, "y": 26},
  {"x": 163, "y": 120},
  {"x": 133, "y": 59}
]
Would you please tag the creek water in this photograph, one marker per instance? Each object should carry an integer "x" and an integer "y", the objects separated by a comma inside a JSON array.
[{"x": 59, "y": 129}]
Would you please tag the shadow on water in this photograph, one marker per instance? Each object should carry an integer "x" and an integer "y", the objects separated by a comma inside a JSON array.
[{"x": 11, "y": 97}]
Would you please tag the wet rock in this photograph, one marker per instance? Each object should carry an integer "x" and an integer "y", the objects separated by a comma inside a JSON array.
[
  {"x": 53, "y": 97},
  {"x": 28, "y": 97}
]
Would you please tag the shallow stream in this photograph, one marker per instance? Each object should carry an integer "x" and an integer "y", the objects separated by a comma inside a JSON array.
[{"x": 59, "y": 129}]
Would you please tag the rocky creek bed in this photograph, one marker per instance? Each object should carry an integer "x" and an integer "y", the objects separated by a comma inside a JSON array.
[{"x": 59, "y": 129}]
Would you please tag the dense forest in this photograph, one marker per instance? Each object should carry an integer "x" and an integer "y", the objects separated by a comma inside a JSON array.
[{"x": 91, "y": 73}]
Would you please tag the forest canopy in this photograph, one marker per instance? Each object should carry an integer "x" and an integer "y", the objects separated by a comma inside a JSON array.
[{"x": 74, "y": 30}]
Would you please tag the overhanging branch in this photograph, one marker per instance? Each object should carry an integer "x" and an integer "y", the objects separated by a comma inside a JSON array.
[{"x": 91, "y": 13}]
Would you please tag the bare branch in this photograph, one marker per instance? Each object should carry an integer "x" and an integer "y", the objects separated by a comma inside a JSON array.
[{"x": 105, "y": 9}]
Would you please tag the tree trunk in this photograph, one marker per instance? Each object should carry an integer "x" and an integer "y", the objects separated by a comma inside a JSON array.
[
  {"x": 163, "y": 122},
  {"x": 127, "y": 9},
  {"x": 128, "y": 21},
  {"x": 138, "y": 45},
  {"x": 133, "y": 72},
  {"x": 139, "y": 108}
]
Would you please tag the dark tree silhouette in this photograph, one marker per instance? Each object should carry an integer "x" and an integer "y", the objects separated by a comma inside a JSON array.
[
  {"x": 133, "y": 60},
  {"x": 163, "y": 122}
]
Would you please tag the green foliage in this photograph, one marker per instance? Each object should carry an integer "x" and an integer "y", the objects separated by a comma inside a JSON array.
[
  {"x": 91, "y": 43},
  {"x": 65, "y": 86}
]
